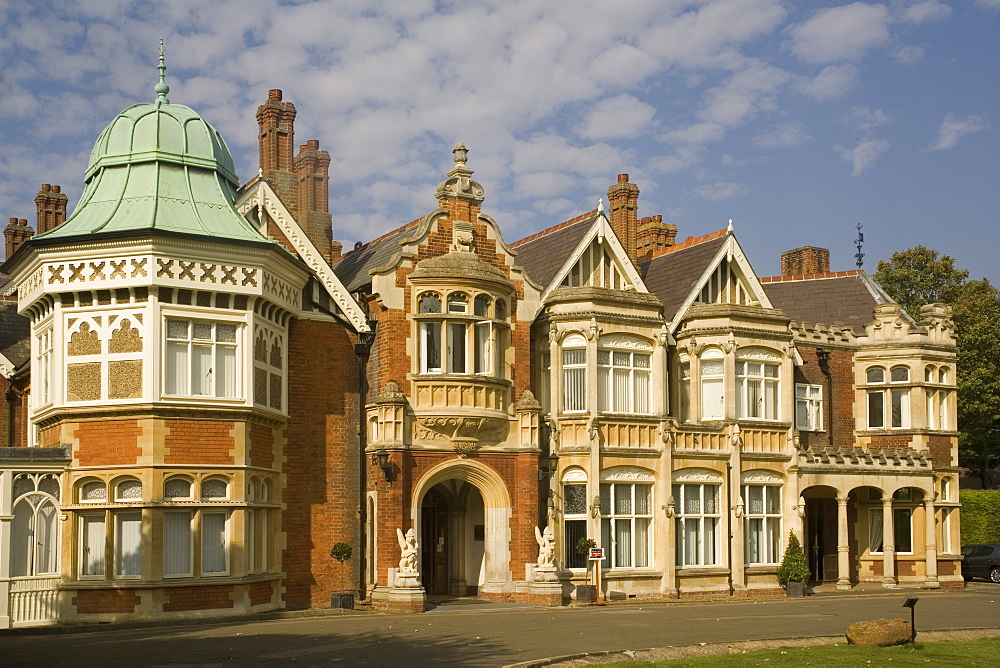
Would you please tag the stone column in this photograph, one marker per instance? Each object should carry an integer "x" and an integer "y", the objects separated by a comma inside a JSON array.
[
  {"x": 888, "y": 545},
  {"x": 6, "y": 518},
  {"x": 930, "y": 540},
  {"x": 843, "y": 546}
]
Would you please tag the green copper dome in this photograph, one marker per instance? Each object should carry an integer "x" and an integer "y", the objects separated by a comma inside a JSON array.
[{"x": 161, "y": 167}]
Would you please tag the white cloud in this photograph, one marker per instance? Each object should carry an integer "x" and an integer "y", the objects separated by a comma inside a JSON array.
[
  {"x": 783, "y": 136},
  {"x": 864, "y": 155},
  {"x": 720, "y": 190},
  {"x": 832, "y": 82},
  {"x": 953, "y": 128},
  {"x": 840, "y": 33},
  {"x": 908, "y": 55},
  {"x": 927, "y": 10},
  {"x": 989, "y": 4},
  {"x": 617, "y": 117},
  {"x": 866, "y": 118}
]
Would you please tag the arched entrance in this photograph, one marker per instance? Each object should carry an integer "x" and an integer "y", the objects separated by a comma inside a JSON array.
[{"x": 462, "y": 509}]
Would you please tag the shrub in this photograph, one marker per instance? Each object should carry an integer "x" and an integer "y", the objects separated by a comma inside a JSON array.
[
  {"x": 341, "y": 552},
  {"x": 794, "y": 566},
  {"x": 584, "y": 544},
  {"x": 980, "y": 515}
]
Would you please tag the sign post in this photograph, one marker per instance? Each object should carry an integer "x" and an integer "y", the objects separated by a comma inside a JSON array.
[{"x": 597, "y": 554}]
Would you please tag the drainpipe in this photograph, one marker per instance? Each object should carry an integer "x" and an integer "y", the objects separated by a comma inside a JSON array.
[
  {"x": 729, "y": 523},
  {"x": 823, "y": 357},
  {"x": 363, "y": 349}
]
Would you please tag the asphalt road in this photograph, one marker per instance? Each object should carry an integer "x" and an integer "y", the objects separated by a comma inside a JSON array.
[{"x": 466, "y": 635}]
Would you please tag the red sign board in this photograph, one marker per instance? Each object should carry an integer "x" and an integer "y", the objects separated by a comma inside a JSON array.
[{"x": 596, "y": 554}]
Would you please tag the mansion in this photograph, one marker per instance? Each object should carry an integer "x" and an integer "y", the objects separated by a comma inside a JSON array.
[{"x": 205, "y": 393}]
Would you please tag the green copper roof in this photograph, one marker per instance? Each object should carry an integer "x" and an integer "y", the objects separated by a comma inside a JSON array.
[{"x": 162, "y": 167}]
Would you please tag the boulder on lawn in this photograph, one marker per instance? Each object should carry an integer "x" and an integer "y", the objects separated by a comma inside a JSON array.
[{"x": 879, "y": 632}]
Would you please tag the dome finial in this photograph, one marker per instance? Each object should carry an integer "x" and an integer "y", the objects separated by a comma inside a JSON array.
[{"x": 162, "y": 88}]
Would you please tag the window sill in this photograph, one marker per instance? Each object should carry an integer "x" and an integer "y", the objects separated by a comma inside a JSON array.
[
  {"x": 625, "y": 573},
  {"x": 690, "y": 571}
]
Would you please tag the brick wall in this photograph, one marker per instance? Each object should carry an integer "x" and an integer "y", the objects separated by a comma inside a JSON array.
[
  {"x": 261, "y": 592},
  {"x": 97, "y": 601},
  {"x": 261, "y": 446},
  {"x": 199, "y": 442},
  {"x": 838, "y": 395},
  {"x": 322, "y": 463},
  {"x": 199, "y": 598},
  {"x": 108, "y": 442}
]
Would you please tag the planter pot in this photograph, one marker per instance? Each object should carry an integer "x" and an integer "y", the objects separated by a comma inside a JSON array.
[
  {"x": 586, "y": 594},
  {"x": 343, "y": 601},
  {"x": 796, "y": 588}
]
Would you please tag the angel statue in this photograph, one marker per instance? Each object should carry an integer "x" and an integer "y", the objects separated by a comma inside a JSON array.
[
  {"x": 408, "y": 551},
  {"x": 546, "y": 546}
]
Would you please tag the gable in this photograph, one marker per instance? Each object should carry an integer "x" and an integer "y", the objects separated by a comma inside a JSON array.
[
  {"x": 260, "y": 196},
  {"x": 597, "y": 261}
]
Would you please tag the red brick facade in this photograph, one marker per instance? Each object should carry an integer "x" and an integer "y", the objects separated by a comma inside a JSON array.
[
  {"x": 108, "y": 442},
  {"x": 199, "y": 598},
  {"x": 103, "y": 601}
]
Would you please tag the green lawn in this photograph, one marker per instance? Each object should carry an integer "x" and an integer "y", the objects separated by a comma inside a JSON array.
[{"x": 958, "y": 653}]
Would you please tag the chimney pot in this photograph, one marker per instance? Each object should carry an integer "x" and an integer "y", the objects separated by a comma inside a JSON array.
[
  {"x": 23, "y": 221},
  {"x": 313, "y": 143},
  {"x": 46, "y": 187},
  {"x": 57, "y": 189},
  {"x": 623, "y": 178},
  {"x": 274, "y": 94},
  {"x": 13, "y": 221}
]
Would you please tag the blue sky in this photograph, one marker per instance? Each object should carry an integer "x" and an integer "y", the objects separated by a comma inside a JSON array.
[{"x": 798, "y": 120}]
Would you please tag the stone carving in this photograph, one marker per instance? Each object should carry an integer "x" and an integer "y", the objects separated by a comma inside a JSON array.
[
  {"x": 408, "y": 551},
  {"x": 546, "y": 546},
  {"x": 84, "y": 342}
]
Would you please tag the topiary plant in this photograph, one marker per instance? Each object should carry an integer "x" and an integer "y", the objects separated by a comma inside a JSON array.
[
  {"x": 794, "y": 567},
  {"x": 584, "y": 545},
  {"x": 341, "y": 552}
]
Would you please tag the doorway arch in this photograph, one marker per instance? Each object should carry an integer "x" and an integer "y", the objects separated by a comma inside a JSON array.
[{"x": 459, "y": 493}]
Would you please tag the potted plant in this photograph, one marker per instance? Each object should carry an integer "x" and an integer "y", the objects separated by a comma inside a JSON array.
[
  {"x": 794, "y": 569},
  {"x": 586, "y": 593},
  {"x": 345, "y": 600}
]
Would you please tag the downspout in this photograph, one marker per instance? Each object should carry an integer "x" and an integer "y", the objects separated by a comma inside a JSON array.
[
  {"x": 823, "y": 357},
  {"x": 363, "y": 349},
  {"x": 729, "y": 524}
]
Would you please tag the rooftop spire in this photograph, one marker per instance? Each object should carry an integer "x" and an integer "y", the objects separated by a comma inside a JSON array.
[{"x": 162, "y": 88}]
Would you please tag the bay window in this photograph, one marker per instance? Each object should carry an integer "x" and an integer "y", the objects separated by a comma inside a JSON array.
[
  {"x": 42, "y": 372},
  {"x": 574, "y": 372},
  {"x": 461, "y": 341},
  {"x": 177, "y": 543},
  {"x": 201, "y": 358},
  {"x": 698, "y": 515},
  {"x": 128, "y": 539},
  {"x": 762, "y": 522},
  {"x": 34, "y": 536},
  {"x": 626, "y": 524},
  {"x": 92, "y": 539}
]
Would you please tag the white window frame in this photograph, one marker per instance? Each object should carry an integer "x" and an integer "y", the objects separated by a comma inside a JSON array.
[
  {"x": 459, "y": 341},
  {"x": 122, "y": 561},
  {"x": 697, "y": 522},
  {"x": 185, "y": 541},
  {"x": 178, "y": 356},
  {"x": 573, "y": 560},
  {"x": 221, "y": 550},
  {"x": 42, "y": 373},
  {"x": 621, "y": 517},
  {"x": 93, "y": 539},
  {"x": 624, "y": 380},
  {"x": 712, "y": 384},
  {"x": 26, "y": 525},
  {"x": 574, "y": 379},
  {"x": 762, "y": 526},
  {"x": 808, "y": 407},
  {"x": 887, "y": 401},
  {"x": 758, "y": 395}
]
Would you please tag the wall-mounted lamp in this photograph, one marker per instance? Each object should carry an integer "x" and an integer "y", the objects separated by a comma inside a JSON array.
[
  {"x": 547, "y": 465},
  {"x": 381, "y": 458}
]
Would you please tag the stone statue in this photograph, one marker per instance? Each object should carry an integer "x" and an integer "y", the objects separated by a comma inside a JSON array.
[
  {"x": 408, "y": 551},
  {"x": 546, "y": 547}
]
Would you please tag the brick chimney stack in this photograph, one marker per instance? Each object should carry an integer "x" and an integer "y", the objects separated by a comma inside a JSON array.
[
  {"x": 276, "y": 123},
  {"x": 50, "y": 203},
  {"x": 622, "y": 205},
  {"x": 805, "y": 260},
  {"x": 312, "y": 170},
  {"x": 654, "y": 235},
  {"x": 16, "y": 233}
]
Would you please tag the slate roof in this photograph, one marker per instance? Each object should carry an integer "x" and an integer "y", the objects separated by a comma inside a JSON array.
[
  {"x": 672, "y": 274},
  {"x": 844, "y": 298},
  {"x": 542, "y": 254},
  {"x": 15, "y": 333},
  {"x": 354, "y": 269}
]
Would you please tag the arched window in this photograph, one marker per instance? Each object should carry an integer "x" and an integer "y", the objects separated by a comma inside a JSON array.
[
  {"x": 574, "y": 506},
  {"x": 93, "y": 491},
  {"x": 429, "y": 302},
  {"x": 34, "y": 536},
  {"x": 214, "y": 489},
  {"x": 177, "y": 489},
  {"x": 128, "y": 490}
]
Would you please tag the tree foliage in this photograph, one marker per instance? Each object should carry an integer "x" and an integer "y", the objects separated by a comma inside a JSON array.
[
  {"x": 920, "y": 276},
  {"x": 794, "y": 566}
]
